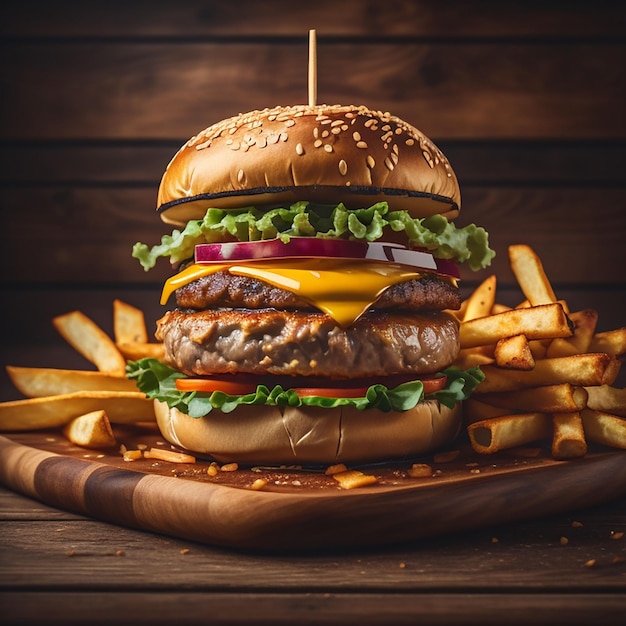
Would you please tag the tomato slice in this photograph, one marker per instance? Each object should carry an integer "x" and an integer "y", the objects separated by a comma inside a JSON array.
[
  {"x": 208, "y": 385},
  {"x": 248, "y": 384},
  {"x": 326, "y": 392}
]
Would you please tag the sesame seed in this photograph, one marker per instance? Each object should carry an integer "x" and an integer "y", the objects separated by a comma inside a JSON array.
[
  {"x": 361, "y": 144},
  {"x": 325, "y": 134},
  {"x": 395, "y": 148},
  {"x": 389, "y": 164},
  {"x": 316, "y": 132},
  {"x": 356, "y": 136},
  {"x": 370, "y": 161},
  {"x": 240, "y": 176},
  {"x": 410, "y": 142},
  {"x": 289, "y": 123},
  {"x": 318, "y": 143},
  {"x": 328, "y": 147},
  {"x": 299, "y": 149},
  {"x": 337, "y": 123},
  {"x": 369, "y": 122},
  {"x": 343, "y": 167},
  {"x": 335, "y": 131}
]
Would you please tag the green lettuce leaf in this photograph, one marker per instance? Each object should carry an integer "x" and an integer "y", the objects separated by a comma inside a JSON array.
[
  {"x": 445, "y": 240},
  {"x": 158, "y": 381}
]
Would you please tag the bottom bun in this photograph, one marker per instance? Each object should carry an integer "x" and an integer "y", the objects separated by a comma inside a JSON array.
[{"x": 310, "y": 435}]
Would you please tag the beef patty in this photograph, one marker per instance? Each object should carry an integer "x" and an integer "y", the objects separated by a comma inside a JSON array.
[
  {"x": 305, "y": 343},
  {"x": 223, "y": 289}
]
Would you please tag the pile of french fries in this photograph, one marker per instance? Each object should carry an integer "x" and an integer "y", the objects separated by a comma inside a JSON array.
[
  {"x": 84, "y": 403},
  {"x": 548, "y": 373}
]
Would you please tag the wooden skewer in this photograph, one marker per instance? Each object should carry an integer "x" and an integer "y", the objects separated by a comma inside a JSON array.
[{"x": 312, "y": 67}]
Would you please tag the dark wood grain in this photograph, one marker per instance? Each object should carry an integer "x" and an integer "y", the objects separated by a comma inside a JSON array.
[
  {"x": 122, "y": 90},
  {"x": 280, "y": 18}
]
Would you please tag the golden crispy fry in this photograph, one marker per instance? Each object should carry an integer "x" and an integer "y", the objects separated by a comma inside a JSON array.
[
  {"x": 509, "y": 431},
  {"x": 584, "y": 327},
  {"x": 41, "y": 381},
  {"x": 568, "y": 441},
  {"x": 607, "y": 399},
  {"x": 499, "y": 308},
  {"x": 475, "y": 410},
  {"x": 122, "y": 407},
  {"x": 480, "y": 303},
  {"x": 580, "y": 369},
  {"x": 530, "y": 275},
  {"x": 169, "y": 455},
  {"x": 514, "y": 353},
  {"x": 539, "y": 347},
  {"x": 604, "y": 428},
  {"x": 470, "y": 357},
  {"x": 351, "y": 479},
  {"x": 539, "y": 322},
  {"x": 612, "y": 342},
  {"x": 136, "y": 350},
  {"x": 92, "y": 430},
  {"x": 563, "y": 398},
  {"x": 91, "y": 341},
  {"x": 129, "y": 324}
]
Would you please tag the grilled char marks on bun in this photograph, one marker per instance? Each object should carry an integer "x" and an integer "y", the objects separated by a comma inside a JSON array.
[{"x": 326, "y": 154}]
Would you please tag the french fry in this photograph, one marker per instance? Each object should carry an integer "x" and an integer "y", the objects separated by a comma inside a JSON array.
[
  {"x": 514, "y": 353},
  {"x": 351, "y": 479},
  {"x": 470, "y": 357},
  {"x": 538, "y": 322},
  {"x": 129, "y": 324},
  {"x": 539, "y": 347},
  {"x": 580, "y": 369},
  {"x": 509, "y": 431},
  {"x": 480, "y": 303},
  {"x": 607, "y": 399},
  {"x": 529, "y": 273},
  {"x": 87, "y": 338},
  {"x": 137, "y": 350},
  {"x": 499, "y": 308},
  {"x": 169, "y": 455},
  {"x": 475, "y": 410},
  {"x": 40, "y": 381},
  {"x": 92, "y": 430},
  {"x": 612, "y": 342},
  {"x": 584, "y": 327},
  {"x": 604, "y": 428},
  {"x": 563, "y": 398},
  {"x": 568, "y": 440},
  {"x": 122, "y": 407}
]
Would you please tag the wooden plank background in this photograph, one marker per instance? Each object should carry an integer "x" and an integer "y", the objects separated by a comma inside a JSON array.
[{"x": 526, "y": 99}]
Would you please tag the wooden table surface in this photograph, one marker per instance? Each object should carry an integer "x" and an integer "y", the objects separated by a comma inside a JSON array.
[{"x": 61, "y": 568}]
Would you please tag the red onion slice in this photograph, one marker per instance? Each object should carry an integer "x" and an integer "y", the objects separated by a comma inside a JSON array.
[{"x": 315, "y": 247}]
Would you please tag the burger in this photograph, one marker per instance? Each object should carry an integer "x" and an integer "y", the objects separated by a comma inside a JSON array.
[{"x": 316, "y": 271}]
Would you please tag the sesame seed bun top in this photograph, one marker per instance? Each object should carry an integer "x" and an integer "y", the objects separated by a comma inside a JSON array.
[{"x": 326, "y": 154}]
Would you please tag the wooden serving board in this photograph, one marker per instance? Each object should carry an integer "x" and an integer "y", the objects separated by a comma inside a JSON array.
[{"x": 299, "y": 509}]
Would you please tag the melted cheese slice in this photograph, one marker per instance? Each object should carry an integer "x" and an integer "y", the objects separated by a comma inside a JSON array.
[{"x": 342, "y": 288}]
